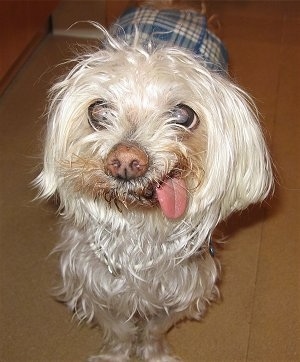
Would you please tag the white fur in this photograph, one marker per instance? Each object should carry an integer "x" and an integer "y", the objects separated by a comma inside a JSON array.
[{"x": 128, "y": 267}]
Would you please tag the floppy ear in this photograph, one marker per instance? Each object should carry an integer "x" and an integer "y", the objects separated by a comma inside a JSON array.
[
  {"x": 46, "y": 181},
  {"x": 55, "y": 140},
  {"x": 238, "y": 165}
]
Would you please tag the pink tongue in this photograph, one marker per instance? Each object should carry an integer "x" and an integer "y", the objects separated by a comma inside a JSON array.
[{"x": 172, "y": 197}]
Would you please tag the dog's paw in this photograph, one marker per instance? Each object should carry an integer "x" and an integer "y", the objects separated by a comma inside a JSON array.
[
  {"x": 157, "y": 351},
  {"x": 166, "y": 358},
  {"x": 108, "y": 358}
]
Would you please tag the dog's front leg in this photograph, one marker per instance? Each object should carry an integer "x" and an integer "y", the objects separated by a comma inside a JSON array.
[
  {"x": 119, "y": 336},
  {"x": 154, "y": 346}
]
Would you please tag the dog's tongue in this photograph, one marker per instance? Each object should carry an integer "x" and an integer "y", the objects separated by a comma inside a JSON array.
[{"x": 172, "y": 197}]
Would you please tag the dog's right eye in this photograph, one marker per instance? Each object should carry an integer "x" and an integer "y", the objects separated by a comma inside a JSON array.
[{"x": 99, "y": 115}]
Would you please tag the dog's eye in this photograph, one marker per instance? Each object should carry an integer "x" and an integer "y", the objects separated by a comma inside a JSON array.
[
  {"x": 99, "y": 114},
  {"x": 184, "y": 116}
]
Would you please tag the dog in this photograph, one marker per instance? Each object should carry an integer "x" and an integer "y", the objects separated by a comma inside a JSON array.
[{"x": 149, "y": 146}]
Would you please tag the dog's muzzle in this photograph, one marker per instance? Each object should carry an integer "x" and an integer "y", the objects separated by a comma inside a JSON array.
[{"x": 128, "y": 163}]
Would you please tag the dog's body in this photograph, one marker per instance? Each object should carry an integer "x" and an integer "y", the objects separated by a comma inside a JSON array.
[{"x": 148, "y": 151}]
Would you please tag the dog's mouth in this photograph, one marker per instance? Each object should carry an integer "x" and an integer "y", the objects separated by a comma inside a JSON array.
[{"x": 170, "y": 194}]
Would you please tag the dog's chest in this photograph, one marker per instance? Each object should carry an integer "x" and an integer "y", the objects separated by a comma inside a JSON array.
[
  {"x": 131, "y": 269},
  {"x": 137, "y": 250}
]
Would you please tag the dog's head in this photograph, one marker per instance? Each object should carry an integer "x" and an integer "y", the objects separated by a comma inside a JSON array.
[{"x": 153, "y": 132}]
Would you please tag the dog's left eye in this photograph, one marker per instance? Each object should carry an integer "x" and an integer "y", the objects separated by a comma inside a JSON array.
[
  {"x": 184, "y": 116},
  {"x": 99, "y": 114}
]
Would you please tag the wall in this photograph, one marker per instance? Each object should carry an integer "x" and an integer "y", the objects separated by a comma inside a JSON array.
[{"x": 22, "y": 25}]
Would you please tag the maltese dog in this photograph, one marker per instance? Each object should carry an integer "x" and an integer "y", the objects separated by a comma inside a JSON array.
[{"x": 149, "y": 145}]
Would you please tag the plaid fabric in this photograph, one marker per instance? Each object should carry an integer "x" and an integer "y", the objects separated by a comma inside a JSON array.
[{"x": 185, "y": 29}]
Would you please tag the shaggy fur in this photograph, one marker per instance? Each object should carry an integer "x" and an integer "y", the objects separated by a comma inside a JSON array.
[{"x": 124, "y": 263}]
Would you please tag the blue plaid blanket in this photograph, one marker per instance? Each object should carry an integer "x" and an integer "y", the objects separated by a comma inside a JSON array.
[{"x": 181, "y": 28}]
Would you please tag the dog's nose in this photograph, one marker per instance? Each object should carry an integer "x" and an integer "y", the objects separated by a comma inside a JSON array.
[{"x": 126, "y": 161}]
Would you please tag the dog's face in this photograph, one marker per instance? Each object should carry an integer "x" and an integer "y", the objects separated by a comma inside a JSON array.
[
  {"x": 141, "y": 171},
  {"x": 138, "y": 138},
  {"x": 154, "y": 132}
]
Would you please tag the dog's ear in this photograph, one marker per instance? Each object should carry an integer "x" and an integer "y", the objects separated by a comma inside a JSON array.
[
  {"x": 238, "y": 166},
  {"x": 46, "y": 181},
  {"x": 55, "y": 141}
]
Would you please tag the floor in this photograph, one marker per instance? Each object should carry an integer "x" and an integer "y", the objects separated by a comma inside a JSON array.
[{"x": 258, "y": 316}]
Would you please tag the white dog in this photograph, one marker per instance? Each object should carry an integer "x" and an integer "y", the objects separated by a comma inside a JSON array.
[{"x": 148, "y": 149}]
